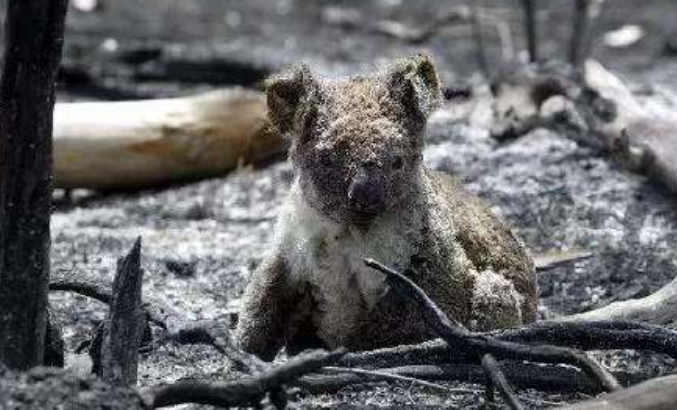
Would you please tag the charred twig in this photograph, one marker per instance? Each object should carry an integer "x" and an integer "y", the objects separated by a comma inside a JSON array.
[
  {"x": 244, "y": 392},
  {"x": 480, "y": 50},
  {"x": 178, "y": 329},
  {"x": 217, "y": 335},
  {"x": 499, "y": 381},
  {"x": 578, "y": 47},
  {"x": 54, "y": 344},
  {"x": 420, "y": 35},
  {"x": 593, "y": 335},
  {"x": 90, "y": 287},
  {"x": 481, "y": 343},
  {"x": 523, "y": 375},
  {"x": 529, "y": 9},
  {"x": 596, "y": 335},
  {"x": 380, "y": 375},
  {"x": 550, "y": 260}
]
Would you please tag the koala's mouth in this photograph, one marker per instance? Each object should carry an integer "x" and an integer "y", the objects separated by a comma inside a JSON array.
[{"x": 363, "y": 216}]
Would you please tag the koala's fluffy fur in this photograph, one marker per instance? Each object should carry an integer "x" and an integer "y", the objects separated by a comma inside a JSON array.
[{"x": 361, "y": 191}]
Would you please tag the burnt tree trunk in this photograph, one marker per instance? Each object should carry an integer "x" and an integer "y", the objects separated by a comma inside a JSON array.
[{"x": 33, "y": 42}]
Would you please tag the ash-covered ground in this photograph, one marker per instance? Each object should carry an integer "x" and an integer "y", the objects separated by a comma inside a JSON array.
[{"x": 202, "y": 240}]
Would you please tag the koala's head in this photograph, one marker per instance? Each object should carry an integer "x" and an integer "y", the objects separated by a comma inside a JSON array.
[{"x": 356, "y": 143}]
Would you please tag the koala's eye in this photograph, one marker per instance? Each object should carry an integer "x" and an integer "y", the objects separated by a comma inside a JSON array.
[
  {"x": 398, "y": 162},
  {"x": 326, "y": 159}
]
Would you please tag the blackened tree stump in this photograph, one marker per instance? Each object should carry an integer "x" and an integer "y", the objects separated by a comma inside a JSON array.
[{"x": 34, "y": 39}]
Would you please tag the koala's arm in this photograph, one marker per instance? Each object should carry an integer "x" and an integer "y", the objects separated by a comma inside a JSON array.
[{"x": 269, "y": 302}]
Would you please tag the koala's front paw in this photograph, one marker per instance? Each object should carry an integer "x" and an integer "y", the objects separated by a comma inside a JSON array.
[
  {"x": 496, "y": 304},
  {"x": 255, "y": 340}
]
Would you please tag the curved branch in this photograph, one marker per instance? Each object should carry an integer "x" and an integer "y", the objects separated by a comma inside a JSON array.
[
  {"x": 476, "y": 343},
  {"x": 244, "y": 392}
]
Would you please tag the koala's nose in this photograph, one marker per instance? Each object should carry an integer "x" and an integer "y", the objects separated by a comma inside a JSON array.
[{"x": 366, "y": 192}]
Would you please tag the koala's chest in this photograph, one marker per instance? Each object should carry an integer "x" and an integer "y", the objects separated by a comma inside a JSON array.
[{"x": 343, "y": 288}]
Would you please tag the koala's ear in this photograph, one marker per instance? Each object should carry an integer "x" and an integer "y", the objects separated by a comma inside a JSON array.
[
  {"x": 414, "y": 83},
  {"x": 285, "y": 94}
]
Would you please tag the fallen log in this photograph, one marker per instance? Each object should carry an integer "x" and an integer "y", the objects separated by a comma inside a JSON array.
[
  {"x": 146, "y": 143},
  {"x": 642, "y": 141},
  {"x": 654, "y": 394},
  {"x": 659, "y": 308}
]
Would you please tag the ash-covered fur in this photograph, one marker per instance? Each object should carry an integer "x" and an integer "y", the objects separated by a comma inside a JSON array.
[{"x": 361, "y": 191}]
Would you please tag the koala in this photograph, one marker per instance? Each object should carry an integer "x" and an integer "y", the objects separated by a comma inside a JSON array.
[{"x": 360, "y": 191}]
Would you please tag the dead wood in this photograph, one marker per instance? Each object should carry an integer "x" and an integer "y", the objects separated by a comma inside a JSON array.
[
  {"x": 585, "y": 335},
  {"x": 54, "y": 344},
  {"x": 177, "y": 328},
  {"x": 500, "y": 382},
  {"x": 658, "y": 308},
  {"x": 371, "y": 375},
  {"x": 478, "y": 38},
  {"x": 133, "y": 144},
  {"x": 247, "y": 391},
  {"x": 530, "y": 28},
  {"x": 479, "y": 344},
  {"x": 123, "y": 328},
  {"x": 33, "y": 43},
  {"x": 77, "y": 283},
  {"x": 523, "y": 375},
  {"x": 656, "y": 394},
  {"x": 550, "y": 260},
  {"x": 581, "y": 20}
]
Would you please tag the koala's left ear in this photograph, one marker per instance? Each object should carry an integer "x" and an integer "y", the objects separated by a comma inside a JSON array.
[{"x": 415, "y": 84}]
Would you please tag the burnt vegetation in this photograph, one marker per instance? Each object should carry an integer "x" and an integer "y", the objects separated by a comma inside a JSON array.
[{"x": 559, "y": 356}]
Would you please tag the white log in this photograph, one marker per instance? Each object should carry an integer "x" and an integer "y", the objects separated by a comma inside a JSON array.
[
  {"x": 644, "y": 141},
  {"x": 647, "y": 143},
  {"x": 654, "y": 394},
  {"x": 659, "y": 308},
  {"x": 133, "y": 144}
]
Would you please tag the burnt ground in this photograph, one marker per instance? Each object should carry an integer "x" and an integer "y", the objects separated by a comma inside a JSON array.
[{"x": 202, "y": 240}]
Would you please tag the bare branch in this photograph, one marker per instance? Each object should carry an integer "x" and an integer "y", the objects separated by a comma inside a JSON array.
[
  {"x": 246, "y": 391},
  {"x": 375, "y": 375},
  {"x": 479, "y": 344},
  {"x": 529, "y": 9},
  {"x": 523, "y": 375},
  {"x": 499, "y": 381}
]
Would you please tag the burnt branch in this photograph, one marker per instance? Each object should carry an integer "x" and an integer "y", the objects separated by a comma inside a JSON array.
[
  {"x": 530, "y": 30},
  {"x": 479, "y": 344},
  {"x": 123, "y": 329},
  {"x": 376, "y": 375},
  {"x": 500, "y": 382},
  {"x": 33, "y": 43},
  {"x": 598, "y": 335},
  {"x": 478, "y": 37},
  {"x": 247, "y": 391},
  {"x": 177, "y": 328},
  {"x": 217, "y": 335},
  {"x": 90, "y": 287},
  {"x": 523, "y": 375},
  {"x": 578, "y": 47}
]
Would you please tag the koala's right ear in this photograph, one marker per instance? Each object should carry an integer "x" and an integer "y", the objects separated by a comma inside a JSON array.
[
  {"x": 286, "y": 93},
  {"x": 415, "y": 84}
]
